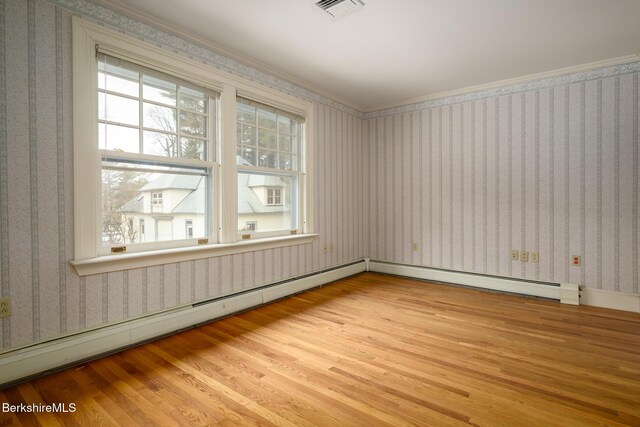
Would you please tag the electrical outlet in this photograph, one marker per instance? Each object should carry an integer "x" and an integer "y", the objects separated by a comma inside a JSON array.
[
  {"x": 414, "y": 247},
  {"x": 524, "y": 256},
  {"x": 5, "y": 307},
  {"x": 576, "y": 260},
  {"x": 534, "y": 257},
  {"x": 324, "y": 248},
  {"x": 331, "y": 248},
  {"x": 515, "y": 255}
]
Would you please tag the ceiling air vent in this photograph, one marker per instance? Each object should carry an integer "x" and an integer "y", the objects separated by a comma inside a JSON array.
[{"x": 337, "y": 8}]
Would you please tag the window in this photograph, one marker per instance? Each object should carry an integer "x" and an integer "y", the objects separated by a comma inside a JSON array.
[
  {"x": 159, "y": 165},
  {"x": 156, "y": 199},
  {"x": 147, "y": 121},
  {"x": 188, "y": 229},
  {"x": 274, "y": 196},
  {"x": 141, "y": 229},
  {"x": 269, "y": 148}
]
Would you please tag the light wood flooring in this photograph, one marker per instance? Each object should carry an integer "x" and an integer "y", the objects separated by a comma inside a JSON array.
[{"x": 366, "y": 351}]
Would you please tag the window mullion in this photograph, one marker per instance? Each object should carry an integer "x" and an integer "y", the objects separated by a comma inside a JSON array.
[
  {"x": 228, "y": 176},
  {"x": 178, "y": 147},
  {"x": 210, "y": 153},
  {"x": 140, "y": 115}
]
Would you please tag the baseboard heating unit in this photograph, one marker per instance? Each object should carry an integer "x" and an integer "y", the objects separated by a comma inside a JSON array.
[
  {"x": 37, "y": 359},
  {"x": 566, "y": 293}
]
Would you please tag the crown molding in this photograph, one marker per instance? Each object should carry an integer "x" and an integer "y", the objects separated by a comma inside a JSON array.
[
  {"x": 114, "y": 14},
  {"x": 579, "y": 73}
]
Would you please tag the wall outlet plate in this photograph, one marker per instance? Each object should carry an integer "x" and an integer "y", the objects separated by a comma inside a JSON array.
[
  {"x": 515, "y": 255},
  {"x": 576, "y": 260},
  {"x": 414, "y": 247},
  {"x": 534, "y": 257},
  {"x": 524, "y": 256},
  {"x": 5, "y": 307}
]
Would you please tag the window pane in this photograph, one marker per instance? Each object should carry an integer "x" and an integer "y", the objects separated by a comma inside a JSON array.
[
  {"x": 267, "y": 159},
  {"x": 193, "y": 124},
  {"x": 127, "y": 204},
  {"x": 194, "y": 100},
  {"x": 276, "y": 136},
  {"x": 266, "y": 119},
  {"x": 247, "y": 156},
  {"x": 160, "y": 144},
  {"x": 267, "y": 139},
  {"x": 248, "y": 135},
  {"x": 159, "y": 90},
  {"x": 284, "y": 124},
  {"x": 192, "y": 148},
  {"x": 121, "y": 138},
  {"x": 117, "y": 78},
  {"x": 161, "y": 118},
  {"x": 102, "y": 135},
  {"x": 285, "y": 161},
  {"x": 118, "y": 109},
  {"x": 246, "y": 114},
  {"x": 253, "y": 206},
  {"x": 285, "y": 142}
]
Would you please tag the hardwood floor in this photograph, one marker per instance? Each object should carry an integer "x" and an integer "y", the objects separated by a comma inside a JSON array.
[{"x": 368, "y": 350}]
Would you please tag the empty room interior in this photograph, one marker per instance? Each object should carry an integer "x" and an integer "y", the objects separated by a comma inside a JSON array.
[{"x": 319, "y": 212}]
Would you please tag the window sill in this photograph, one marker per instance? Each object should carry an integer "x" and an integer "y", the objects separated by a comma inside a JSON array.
[{"x": 128, "y": 261}]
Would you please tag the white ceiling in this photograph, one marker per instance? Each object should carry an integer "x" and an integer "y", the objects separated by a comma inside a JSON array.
[{"x": 394, "y": 50}]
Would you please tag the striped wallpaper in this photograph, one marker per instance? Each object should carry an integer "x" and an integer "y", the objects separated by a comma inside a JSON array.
[
  {"x": 36, "y": 200},
  {"x": 553, "y": 170}
]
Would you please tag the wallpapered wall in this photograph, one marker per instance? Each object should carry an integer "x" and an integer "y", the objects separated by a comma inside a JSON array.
[
  {"x": 549, "y": 167},
  {"x": 36, "y": 190}
]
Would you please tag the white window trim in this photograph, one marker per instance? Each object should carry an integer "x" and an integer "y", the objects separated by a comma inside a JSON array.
[
  {"x": 127, "y": 261},
  {"x": 87, "y": 195}
]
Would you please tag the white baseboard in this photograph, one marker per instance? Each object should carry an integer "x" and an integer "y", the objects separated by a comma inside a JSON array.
[
  {"x": 39, "y": 358},
  {"x": 609, "y": 299},
  {"x": 567, "y": 293}
]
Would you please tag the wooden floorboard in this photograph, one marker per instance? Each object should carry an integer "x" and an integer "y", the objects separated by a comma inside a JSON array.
[{"x": 368, "y": 350}]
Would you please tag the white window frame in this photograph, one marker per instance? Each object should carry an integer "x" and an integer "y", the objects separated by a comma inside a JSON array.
[
  {"x": 207, "y": 166},
  {"x": 223, "y": 238},
  {"x": 297, "y": 173}
]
